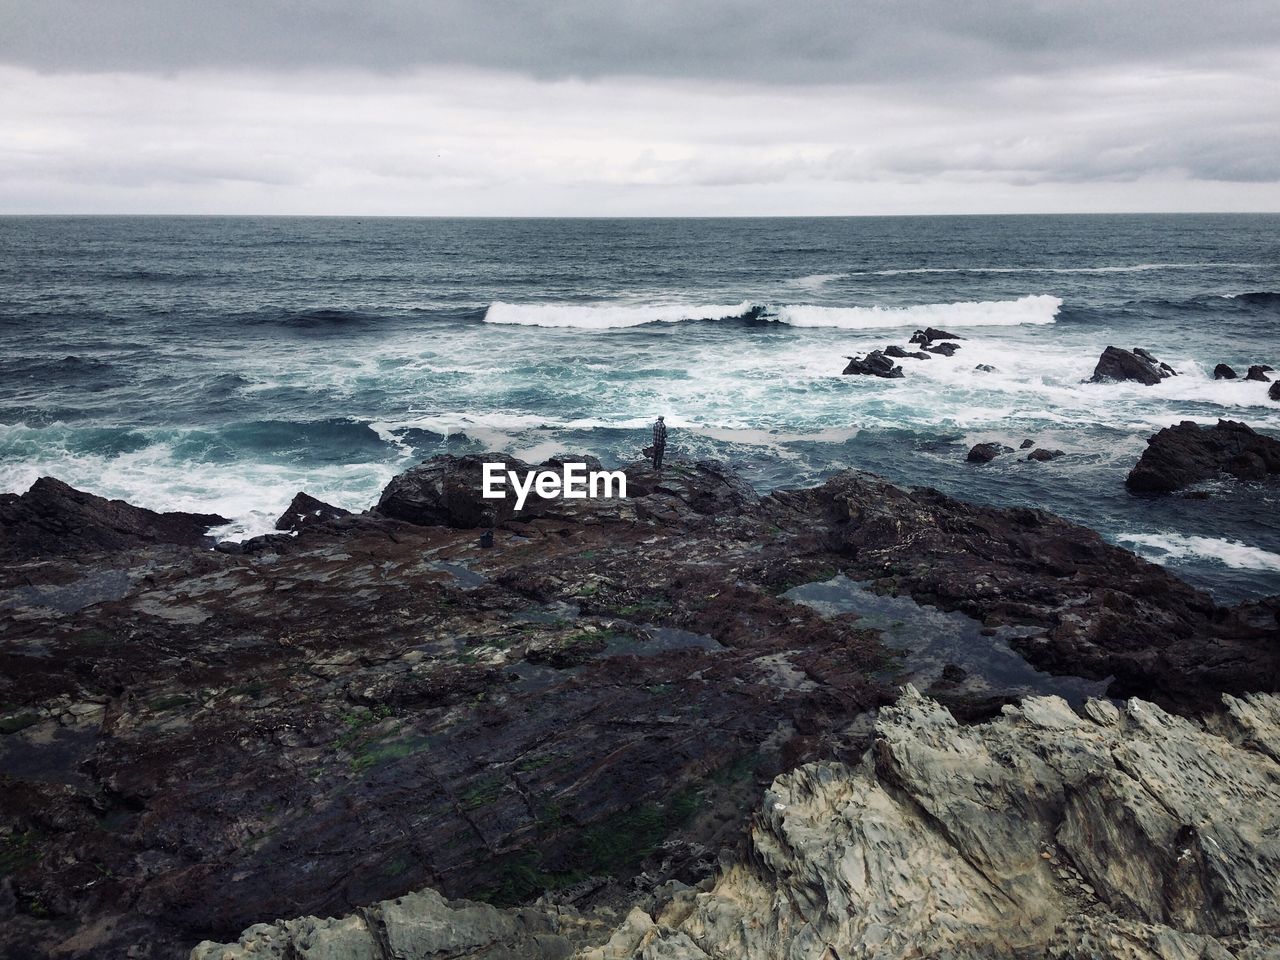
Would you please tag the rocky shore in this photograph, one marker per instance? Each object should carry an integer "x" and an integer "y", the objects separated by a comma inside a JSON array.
[{"x": 194, "y": 740}]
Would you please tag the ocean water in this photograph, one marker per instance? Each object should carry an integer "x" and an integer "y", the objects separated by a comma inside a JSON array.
[{"x": 222, "y": 364}]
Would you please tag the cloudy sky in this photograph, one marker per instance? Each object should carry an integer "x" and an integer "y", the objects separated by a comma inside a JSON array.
[{"x": 638, "y": 107}]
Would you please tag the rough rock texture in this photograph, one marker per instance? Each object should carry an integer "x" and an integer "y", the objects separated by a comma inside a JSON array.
[
  {"x": 1188, "y": 453},
  {"x": 1138, "y": 365},
  {"x": 1123, "y": 833},
  {"x": 985, "y": 452},
  {"x": 305, "y": 510},
  {"x": 192, "y": 741},
  {"x": 874, "y": 364},
  {"x": 54, "y": 519},
  {"x": 1223, "y": 372},
  {"x": 1259, "y": 372}
]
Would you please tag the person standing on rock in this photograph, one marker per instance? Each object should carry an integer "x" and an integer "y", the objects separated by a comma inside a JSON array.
[{"x": 659, "y": 442}]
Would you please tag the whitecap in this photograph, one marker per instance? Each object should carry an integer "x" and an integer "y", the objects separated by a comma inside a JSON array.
[{"x": 1161, "y": 547}]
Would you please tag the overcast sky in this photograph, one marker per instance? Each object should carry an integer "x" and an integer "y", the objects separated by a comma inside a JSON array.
[{"x": 616, "y": 107}]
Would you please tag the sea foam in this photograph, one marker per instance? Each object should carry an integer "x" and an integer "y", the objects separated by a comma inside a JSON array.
[
  {"x": 609, "y": 316},
  {"x": 1173, "y": 546}
]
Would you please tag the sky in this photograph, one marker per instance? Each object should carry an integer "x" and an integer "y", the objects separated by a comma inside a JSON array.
[{"x": 638, "y": 107}]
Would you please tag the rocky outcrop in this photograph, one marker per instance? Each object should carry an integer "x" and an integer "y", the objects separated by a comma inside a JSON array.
[
  {"x": 1224, "y": 372},
  {"x": 1115, "y": 833},
  {"x": 985, "y": 452},
  {"x": 1274, "y": 392},
  {"x": 1137, "y": 365},
  {"x": 930, "y": 334},
  {"x": 1188, "y": 453},
  {"x": 1259, "y": 372},
  {"x": 945, "y": 349},
  {"x": 899, "y": 353},
  {"x": 874, "y": 364},
  {"x": 305, "y": 510},
  {"x": 54, "y": 519},
  {"x": 1042, "y": 455}
]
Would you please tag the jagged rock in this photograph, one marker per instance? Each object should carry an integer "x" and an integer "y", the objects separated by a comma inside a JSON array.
[
  {"x": 1259, "y": 372},
  {"x": 1188, "y": 453},
  {"x": 305, "y": 510},
  {"x": 985, "y": 368},
  {"x": 1224, "y": 372},
  {"x": 1138, "y": 365},
  {"x": 930, "y": 334},
  {"x": 55, "y": 519},
  {"x": 901, "y": 354},
  {"x": 945, "y": 349},
  {"x": 874, "y": 364},
  {"x": 986, "y": 452},
  {"x": 1114, "y": 834},
  {"x": 1042, "y": 456}
]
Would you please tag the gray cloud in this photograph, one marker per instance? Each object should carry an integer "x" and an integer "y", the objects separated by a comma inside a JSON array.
[{"x": 762, "y": 41}]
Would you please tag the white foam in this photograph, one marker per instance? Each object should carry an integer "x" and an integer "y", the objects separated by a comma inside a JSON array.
[
  {"x": 1173, "y": 546},
  {"x": 1117, "y": 268},
  {"x": 1035, "y": 309},
  {"x": 816, "y": 281},
  {"x": 605, "y": 316}
]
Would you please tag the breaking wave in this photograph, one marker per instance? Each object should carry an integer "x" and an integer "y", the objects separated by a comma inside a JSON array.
[
  {"x": 1035, "y": 309},
  {"x": 1161, "y": 547}
]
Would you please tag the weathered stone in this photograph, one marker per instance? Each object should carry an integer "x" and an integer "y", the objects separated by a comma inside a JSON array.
[
  {"x": 985, "y": 452},
  {"x": 1188, "y": 453},
  {"x": 305, "y": 510},
  {"x": 1137, "y": 365},
  {"x": 1224, "y": 372}
]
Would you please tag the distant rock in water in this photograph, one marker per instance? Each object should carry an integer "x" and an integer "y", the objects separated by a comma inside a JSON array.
[
  {"x": 54, "y": 519},
  {"x": 1259, "y": 372},
  {"x": 901, "y": 354},
  {"x": 1027, "y": 444},
  {"x": 946, "y": 349},
  {"x": 1137, "y": 365},
  {"x": 1224, "y": 372},
  {"x": 874, "y": 364},
  {"x": 930, "y": 334},
  {"x": 1116, "y": 833},
  {"x": 1188, "y": 453},
  {"x": 1041, "y": 455},
  {"x": 985, "y": 452},
  {"x": 306, "y": 510},
  {"x": 1274, "y": 392},
  {"x": 985, "y": 368}
]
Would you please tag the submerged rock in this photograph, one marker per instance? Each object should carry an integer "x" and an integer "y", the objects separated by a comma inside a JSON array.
[
  {"x": 985, "y": 368},
  {"x": 1137, "y": 365},
  {"x": 55, "y": 519},
  {"x": 1120, "y": 832},
  {"x": 985, "y": 452},
  {"x": 305, "y": 510},
  {"x": 1259, "y": 372},
  {"x": 874, "y": 364},
  {"x": 1224, "y": 372},
  {"x": 1042, "y": 456},
  {"x": 1188, "y": 453}
]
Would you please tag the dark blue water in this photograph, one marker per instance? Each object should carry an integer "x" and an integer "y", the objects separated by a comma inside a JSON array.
[{"x": 225, "y": 363}]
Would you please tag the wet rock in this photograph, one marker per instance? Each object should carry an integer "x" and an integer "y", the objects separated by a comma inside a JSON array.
[
  {"x": 986, "y": 452},
  {"x": 1223, "y": 372},
  {"x": 1274, "y": 392},
  {"x": 54, "y": 519},
  {"x": 305, "y": 510},
  {"x": 1026, "y": 444},
  {"x": 1041, "y": 455},
  {"x": 1259, "y": 372},
  {"x": 985, "y": 368},
  {"x": 930, "y": 334},
  {"x": 945, "y": 349},
  {"x": 1137, "y": 365},
  {"x": 874, "y": 364},
  {"x": 901, "y": 354},
  {"x": 1188, "y": 453}
]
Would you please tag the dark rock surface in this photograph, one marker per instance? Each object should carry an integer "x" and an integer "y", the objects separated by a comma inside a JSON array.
[
  {"x": 1259, "y": 372},
  {"x": 1026, "y": 444},
  {"x": 985, "y": 368},
  {"x": 874, "y": 364},
  {"x": 1188, "y": 453},
  {"x": 985, "y": 452},
  {"x": 54, "y": 519},
  {"x": 945, "y": 349},
  {"x": 1224, "y": 372},
  {"x": 901, "y": 354},
  {"x": 1274, "y": 392},
  {"x": 305, "y": 510},
  {"x": 930, "y": 334},
  {"x": 199, "y": 740},
  {"x": 1042, "y": 455},
  {"x": 1137, "y": 365}
]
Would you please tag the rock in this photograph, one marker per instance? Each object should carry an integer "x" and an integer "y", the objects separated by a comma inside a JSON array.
[
  {"x": 985, "y": 452},
  {"x": 874, "y": 364},
  {"x": 1258, "y": 372},
  {"x": 930, "y": 334},
  {"x": 54, "y": 519},
  {"x": 1223, "y": 372},
  {"x": 1138, "y": 365},
  {"x": 1026, "y": 444},
  {"x": 1041, "y": 455},
  {"x": 1120, "y": 834},
  {"x": 1187, "y": 453},
  {"x": 449, "y": 491},
  {"x": 1274, "y": 392},
  {"x": 985, "y": 368},
  {"x": 305, "y": 510},
  {"x": 901, "y": 354},
  {"x": 946, "y": 349}
]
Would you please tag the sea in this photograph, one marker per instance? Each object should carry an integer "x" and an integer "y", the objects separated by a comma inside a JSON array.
[{"x": 221, "y": 364}]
